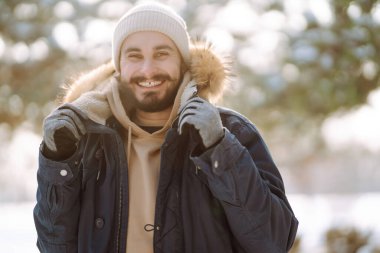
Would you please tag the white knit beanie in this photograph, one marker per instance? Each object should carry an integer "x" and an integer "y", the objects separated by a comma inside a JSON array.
[{"x": 151, "y": 17}]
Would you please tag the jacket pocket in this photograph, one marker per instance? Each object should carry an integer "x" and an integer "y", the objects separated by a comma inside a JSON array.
[
  {"x": 54, "y": 198},
  {"x": 46, "y": 247},
  {"x": 224, "y": 188}
]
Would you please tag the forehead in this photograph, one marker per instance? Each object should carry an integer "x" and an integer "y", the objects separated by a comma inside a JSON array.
[{"x": 148, "y": 40}]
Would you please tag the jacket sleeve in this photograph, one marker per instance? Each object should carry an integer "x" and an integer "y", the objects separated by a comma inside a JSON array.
[
  {"x": 56, "y": 213},
  {"x": 242, "y": 175}
]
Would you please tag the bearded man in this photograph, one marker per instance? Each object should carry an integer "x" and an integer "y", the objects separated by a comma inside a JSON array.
[{"x": 137, "y": 158}]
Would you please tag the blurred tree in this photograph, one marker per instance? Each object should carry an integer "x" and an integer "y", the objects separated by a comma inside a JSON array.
[
  {"x": 39, "y": 49},
  {"x": 313, "y": 71},
  {"x": 344, "y": 240},
  {"x": 337, "y": 64},
  {"x": 296, "y": 248}
]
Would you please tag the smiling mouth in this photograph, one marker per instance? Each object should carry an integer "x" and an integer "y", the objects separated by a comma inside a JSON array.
[{"x": 149, "y": 84}]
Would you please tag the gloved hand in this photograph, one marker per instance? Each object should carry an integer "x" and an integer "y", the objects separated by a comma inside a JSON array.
[
  {"x": 205, "y": 118},
  {"x": 62, "y": 130}
]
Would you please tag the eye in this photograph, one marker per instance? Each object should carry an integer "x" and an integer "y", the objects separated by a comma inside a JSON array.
[
  {"x": 134, "y": 56},
  {"x": 161, "y": 54}
]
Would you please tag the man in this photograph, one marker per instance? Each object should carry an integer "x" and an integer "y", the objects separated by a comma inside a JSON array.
[{"x": 138, "y": 160}]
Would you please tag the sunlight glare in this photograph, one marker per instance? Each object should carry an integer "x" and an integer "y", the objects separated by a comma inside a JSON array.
[
  {"x": 376, "y": 13},
  {"x": 273, "y": 20},
  {"x": 64, "y": 10},
  {"x": 322, "y": 11},
  {"x": 290, "y": 72},
  {"x": 296, "y": 23},
  {"x": 26, "y": 11},
  {"x": 88, "y": 2},
  {"x": 354, "y": 11},
  {"x": 66, "y": 35},
  {"x": 98, "y": 31},
  {"x": 176, "y": 4},
  {"x": 203, "y": 13},
  {"x": 370, "y": 70},
  {"x": 221, "y": 38},
  {"x": 2, "y": 47},
  {"x": 237, "y": 17},
  {"x": 292, "y": 7},
  {"x": 266, "y": 41},
  {"x": 39, "y": 50},
  {"x": 32, "y": 111},
  {"x": 264, "y": 52},
  {"x": 20, "y": 52},
  {"x": 16, "y": 105},
  {"x": 113, "y": 9},
  {"x": 295, "y": 12}
]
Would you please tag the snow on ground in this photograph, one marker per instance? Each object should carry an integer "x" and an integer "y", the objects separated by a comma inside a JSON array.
[
  {"x": 316, "y": 213},
  {"x": 18, "y": 163},
  {"x": 17, "y": 232}
]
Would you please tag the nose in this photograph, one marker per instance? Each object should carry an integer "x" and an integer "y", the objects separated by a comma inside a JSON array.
[{"x": 148, "y": 68}]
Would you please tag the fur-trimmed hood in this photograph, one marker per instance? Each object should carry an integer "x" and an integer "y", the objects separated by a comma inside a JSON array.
[{"x": 210, "y": 71}]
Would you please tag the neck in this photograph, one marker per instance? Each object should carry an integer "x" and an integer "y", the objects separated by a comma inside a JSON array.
[{"x": 161, "y": 115}]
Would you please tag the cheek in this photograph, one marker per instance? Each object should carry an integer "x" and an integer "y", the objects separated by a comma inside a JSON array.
[
  {"x": 126, "y": 69},
  {"x": 124, "y": 76},
  {"x": 125, "y": 72},
  {"x": 175, "y": 70}
]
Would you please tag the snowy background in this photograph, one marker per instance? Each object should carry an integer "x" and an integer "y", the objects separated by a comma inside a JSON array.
[
  {"x": 316, "y": 212},
  {"x": 309, "y": 77}
]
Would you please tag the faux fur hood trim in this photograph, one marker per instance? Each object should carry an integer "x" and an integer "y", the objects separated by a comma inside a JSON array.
[{"x": 211, "y": 72}]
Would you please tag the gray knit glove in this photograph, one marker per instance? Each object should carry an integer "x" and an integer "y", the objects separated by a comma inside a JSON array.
[
  {"x": 205, "y": 118},
  {"x": 62, "y": 130}
]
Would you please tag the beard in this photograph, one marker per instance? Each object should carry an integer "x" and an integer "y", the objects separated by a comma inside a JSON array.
[{"x": 151, "y": 102}]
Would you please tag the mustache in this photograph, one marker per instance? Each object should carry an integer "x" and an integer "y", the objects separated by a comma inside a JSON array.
[{"x": 157, "y": 77}]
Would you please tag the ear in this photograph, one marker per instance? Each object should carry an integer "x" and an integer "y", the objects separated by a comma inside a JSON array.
[{"x": 117, "y": 76}]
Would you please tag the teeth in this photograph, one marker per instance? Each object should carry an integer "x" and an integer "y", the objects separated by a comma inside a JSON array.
[{"x": 150, "y": 83}]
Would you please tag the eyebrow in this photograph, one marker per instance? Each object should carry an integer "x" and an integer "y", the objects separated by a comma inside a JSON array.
[
  {"x": 164, "y": 47},
  {"x": 159, "y": 47}
]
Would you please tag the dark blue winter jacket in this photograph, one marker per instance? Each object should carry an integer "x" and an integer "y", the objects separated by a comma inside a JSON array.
[{"x": 230, "y": 198}]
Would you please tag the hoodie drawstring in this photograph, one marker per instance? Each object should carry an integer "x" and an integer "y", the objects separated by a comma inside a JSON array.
[{"x": 129, "y": 146}]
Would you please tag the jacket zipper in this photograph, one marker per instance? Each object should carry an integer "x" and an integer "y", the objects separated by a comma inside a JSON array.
[
  {"x": 119, "y": 219},
  {"x": 120, "y": 200}
]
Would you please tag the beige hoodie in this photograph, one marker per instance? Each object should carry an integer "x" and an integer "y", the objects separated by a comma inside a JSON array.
[
  {"x": 143, "y": 152},
  {"x": 97, "y": 95}
]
